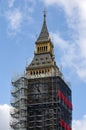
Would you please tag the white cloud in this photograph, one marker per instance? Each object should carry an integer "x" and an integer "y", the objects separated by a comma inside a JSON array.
[
  {"x": 4, "y": 117},
  {"x": 17, "y": 14},
  {"x": 65, "y": 4},
  {"x": 71, "y": 55},
  {"x": 62, "y": 44},
  {"x": 80, "y": 124},
  {"x": 69, "y": 6},
  {"x": 14, "y": 19},
  {"x": 11, "y": 3}
]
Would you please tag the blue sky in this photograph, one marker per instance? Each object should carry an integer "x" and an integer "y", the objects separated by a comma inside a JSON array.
[{"x": 20, "y": 25}]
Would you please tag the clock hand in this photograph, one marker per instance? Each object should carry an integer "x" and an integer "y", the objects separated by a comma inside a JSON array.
[{"x": 38, "y": 89}]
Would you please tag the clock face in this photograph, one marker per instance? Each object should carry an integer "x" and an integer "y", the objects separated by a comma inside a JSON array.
[{"x": 39, "y": 90}]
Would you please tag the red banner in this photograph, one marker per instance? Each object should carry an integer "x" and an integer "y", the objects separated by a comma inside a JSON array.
[
  {"x": 66, "y": 101},
  {"x": 65, "y": 125}
]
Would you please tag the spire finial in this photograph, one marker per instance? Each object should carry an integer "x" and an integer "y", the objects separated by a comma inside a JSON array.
[{"x": 44, "y": 13}]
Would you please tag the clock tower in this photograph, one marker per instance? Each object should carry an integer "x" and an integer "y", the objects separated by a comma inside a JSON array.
[{"x": 42, "y": 99}]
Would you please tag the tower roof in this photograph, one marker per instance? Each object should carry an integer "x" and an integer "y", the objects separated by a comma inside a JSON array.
[{"x": 44, "y": 34}]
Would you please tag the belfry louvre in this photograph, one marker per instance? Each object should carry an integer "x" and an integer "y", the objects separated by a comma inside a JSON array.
[{"x": 41, "y": 99}]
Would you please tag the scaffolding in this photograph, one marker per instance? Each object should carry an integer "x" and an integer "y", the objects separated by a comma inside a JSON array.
[
  {"x": 19, "y": 104},
  {"x": 37, "y": 104}
]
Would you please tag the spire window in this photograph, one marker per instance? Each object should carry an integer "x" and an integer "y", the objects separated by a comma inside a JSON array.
[
  {"x": 46, "y": 48},
  {"x": 38, "y": 49}
]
